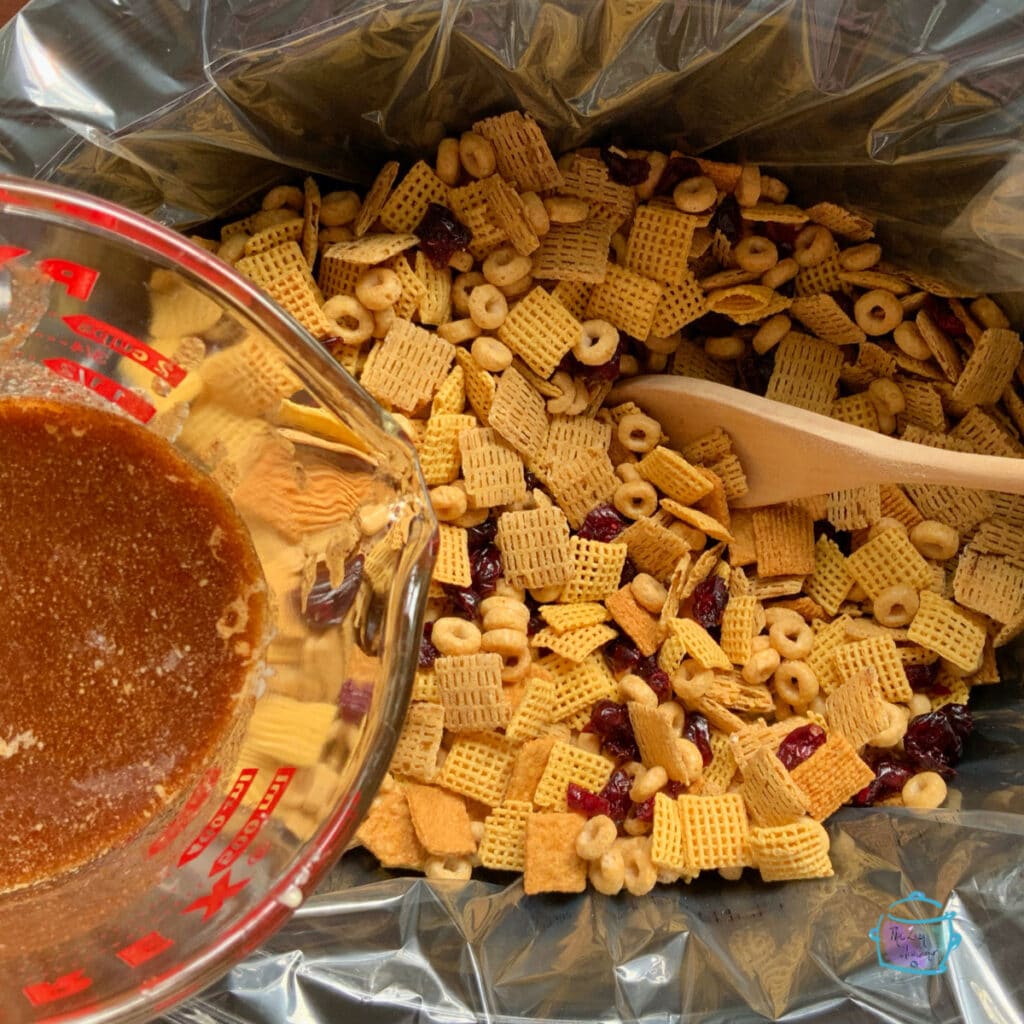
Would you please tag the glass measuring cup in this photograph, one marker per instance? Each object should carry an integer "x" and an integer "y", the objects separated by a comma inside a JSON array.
[{"x": 100, "y": 305}]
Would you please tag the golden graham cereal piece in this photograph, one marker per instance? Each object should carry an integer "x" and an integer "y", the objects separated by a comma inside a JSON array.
[
  {"x": 831, "y": 776},
  {"x": 440, "y": 821},
  {"x": 550, "y": 862}
]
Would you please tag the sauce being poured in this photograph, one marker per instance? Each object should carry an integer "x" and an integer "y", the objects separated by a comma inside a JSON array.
[{"x": 132, "y": 613}]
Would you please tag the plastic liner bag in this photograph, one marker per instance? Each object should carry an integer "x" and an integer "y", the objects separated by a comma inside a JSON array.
[{"x": 910, "y": 112}]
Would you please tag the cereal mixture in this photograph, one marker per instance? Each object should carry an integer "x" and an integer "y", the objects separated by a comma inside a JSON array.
[{"x": 625, "y": 679}]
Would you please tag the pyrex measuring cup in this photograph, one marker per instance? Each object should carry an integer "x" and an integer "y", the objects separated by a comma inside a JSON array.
[{"x": 102, "y": 305}]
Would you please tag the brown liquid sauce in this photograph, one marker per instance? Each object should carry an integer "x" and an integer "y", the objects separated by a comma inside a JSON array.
[{"x": 132, "y": 613}]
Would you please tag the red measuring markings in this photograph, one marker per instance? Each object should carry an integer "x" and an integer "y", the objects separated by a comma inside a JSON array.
[
  {"x": 196, "y": 800},
  {"x": 44, "y": 992},
  {"x": 78, "y": 280},
  {"x": 127, "y": 345},
  {"x": 221, "y": 818},
  {"x": 145, "y": 949},
  {"x": 103, "y": 386},
  {"x": 249, "y": 831},
  {"x": 223, "y": 889}
]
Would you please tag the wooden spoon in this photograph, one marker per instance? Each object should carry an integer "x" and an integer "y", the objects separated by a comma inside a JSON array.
[{"x": 790, "y": 453}]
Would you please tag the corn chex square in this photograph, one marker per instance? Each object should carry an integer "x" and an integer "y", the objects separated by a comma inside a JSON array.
[
  {"x": 580, "y": 481},
  {"x": 550, "y": 862},
  {"x": 566, "y": 764},
  {"x": 534, "y": 545},
  {"x": 625, "y": 299},
  {"x": 680, "y": 304},
  {"x": 770, "y": 794},
  {"x": 742, "y": 620},
  {"x": 337, "y": 276},
  {"x": 540, "y": 330},
  {"x": 806, "y": 373},
  {"x": 952, "y": 632},
  {"x": 654, "y": 548},
  {"x": 574, "y": 644},
  {"x": 596, "y": 568},
  {"x": 658, "y": 741},
  {"x": 574, "y": 295},
  {"x": 718, "y": 775},
  {"x": 410, "y": 198},
  {"x": 989, "y": 584},
  {"x": 264, "y": 267},
  {"x": 831, "y": 776},
  {"x": 416, "y": 751},
  {"x": 659, "y": 244},
  {"x": 528, "y": 766},
  {"x": 568, "y": 432},
  {"x": 689, "y": 639},
  {"x": 791, "y": 851},
  {"x": 857, "y": 410},
  {"x": 643, "y": 628},
  {"x": 435, "y": 305},
  {"x": 492, "y": 469},
  {"x": 990, "y": 367},
  {"x": 533, "y": 711},
  {"x": 440, "y": 448},
  {"x": 826, "y": 319},
  {"x": 472, "y": 206},
  {"x": 275, "y": 235},
  {"x": 587, "y": 178},
  {"x": 886, "y": 560},
  {"x": 508, "y": 212},
  {"x": 690, "y": 360},
  {"x": 574, "y": 252},
  {"x": 518, "y": 414},
  {"x": 668, "y": 850},
  {"x": 854, "y": 508},
  {"x": 984, "y": 434},
  {"x": 452, "y": 564},
  {"x": 784, "y": 538},
  {"x": 564, "y": 617},
  {"x": 503, "y": 847},
  {"x": 831, "y": 580},
  {"x": 880, "y": 654},
  {"x": 521, "y": 153},
  {"x": 480, "y": 385},
  {"x": 857, "y": 709},
  {"x": 478, "y": 766},
  {"x": 471, "y": 692},
  {"x": 408, "y": 366},
  {"x": 578, "y": 687},
  {"x": 674, "y": 476},
  {"x": 293, "y": 291},
  {"x": 820, "y": 661},
  {"x": 715, "y": 831}
]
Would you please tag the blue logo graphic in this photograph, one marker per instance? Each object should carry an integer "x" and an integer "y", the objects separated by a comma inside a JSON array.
[{"x": 915, "y": 945}]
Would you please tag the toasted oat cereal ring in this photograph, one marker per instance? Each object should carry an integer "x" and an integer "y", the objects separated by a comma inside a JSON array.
[
  {"x": 501, "y": 612},
  {"x": 783, "y": 271},
  {"x": 908, "y": 338},
  {"x": 458, "y": 331},
  {"x": 477, "y": 155},
  {"x": 491, "y": 354},
  {"x": 860, "y": 257},
  {"x": 536, "y": 216},
  {"x": 511, "y": 644},
  {"x": 924, "y": 791},
  {"x": 656, "y": 164},
  {"x": 487, "y": 307},
  {"x": 771, "y": 332},
  {"x": 796, "y": 683},
  {"x": 518, "y": 288},
  {"x": 635, "y": 688},
  {"x": 894, "y": 731},
  {"x": 448, "y": 165},
  {"x": 283, "y": 195},
  {"x": 339, "y": 208},
  {"x": 877, "y": 312},
  {"x": 756, "y": 254},
  {"x": 883, "y": 524},
  {"x": 596, "y": 837},
  {"x": 566, "y": 209},
  {"x": 598, "y": 342},
  {"x": 453, "y": 636},
  {"x": 812, "y": 245},
  {"x": 896, "y": 605},
  {"x": 792, "y": 639},
  {"x": 728, "y": 348},
  {"x": 448, "y": 502},
  {"x": 761, "y": 666},
  {"x": 748, "y": 188},
  {"x": 919, "y": 704},
  {"x": 607, "y": 873},
  {"x": 640, "y": 874},
  {"x": 635, "y": 499},
  {"x": 354, "y": 321},
  {"x": 505, "y": 265},
  {"x": 649, "y": 593},
  {"x": 663, "y": 345},
  {"x": 647, "y": 784},
  {"x": 627, "y": 471},
  {"x": 232, "y": 249},
  {"x": 694, "y": 195},
  {"x": 461, "y": 261},
  {"x": 935, "y": 540},
  {"x": 462, "y": 287},
  {"x": 690, "y": 681},
  {"x": 378, "y": 288},
  {"x": 692, "y": 757},
  {"x": 638, "y": 433},
  {"x": 674, "y": 714},
  {"x": 382, "y": 321},
  {"x": 451, "y": 868},
  {"x": 887, "y": 396}
]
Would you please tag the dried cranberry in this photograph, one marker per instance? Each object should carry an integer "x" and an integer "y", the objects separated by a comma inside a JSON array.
[
  {"x": 610, "y": 721},
  {"x": 602, "y": 523},
  {"x": 660, "y": 683},
  {"x": 616, "y": 793},
  {"x": 783, "y": 235},
  {"x": 844, "y": 302},
  {"x": 481, "y": 534},
  {"x": 629, "y": 571},
  {"x": 890, "y": 778},
  {"x": 800, "y": 744},
  {"x": 676, "y": 170},
  {"x": 428, "y": 652},
  {"x": 643, "y": 811},
  {"x": 727, "y": 219},
  {"x": 622, "y": 655},
  {"x": 354, "y": 700},
  {"x": 945, "y": 319},
  {"x": 441, "y": 234},
  {"x": 698, "y": 731},
  {"x": 485, "y": 568},
  {"x": 713, "y": 325},
  {"x": 326, "y": 605},
  {"x": 922, "y": 677},
  {"x": 754, "y": 371},
  {"x": 625, "y": 170},
  {"x": 582, "y": 800},
  {"x": 603, "y": 372},
  {"x": 673, "y": 789},
  {"x": 536, "y": 624},
  {"x": 710, "y": 597},
  {"x": 463, "y": 600},
  {"x": 935, "y": 741}
]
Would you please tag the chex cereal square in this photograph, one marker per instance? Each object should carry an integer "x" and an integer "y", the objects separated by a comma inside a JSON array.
[
  {"x": 673, "y": 475},
  {"x": 440, "y": 449},
  {"x": 478, "y": 766},
  {"x": 579, "y": 686},
  {"x": 470, "y": 688},
  {"x": 771, "y": 795},
  {"x": 784, "y": 538},
  {"x": 888, "y": 559},
  {"x": 521, "y": 151},
  {"x": 410, "y": 198},
  {"x": 534, "y": 545},
  {"x": 534, "y": 710},
  {"x": 440, "y": 820},
  {"x": 409, "y": 365},
  {"x": 416, "y": 750},
  {"x": 952, "y": 632},
  {"x": 574, "y": 644},
  {"x": 565, "y": 617},
  {"x": 715, "y": 831},
  {"x": 668, "y": 850},
  {"x": 492, "y": 469},
  {"x": 566, "y": 764},
  {"x": 742, "y": 620},
  {"x": 517, "y": 413},
  {"x": 643, "y": 628},
  {"x": 503, "y": 847},
  {"x": 625, "y": 299},
  {"x": 795, "y": 850},
  {"x": 806, "y": 373},
  {"x": 540, "y": 330},
  {"x": 879, "y": 654},
  {"x": 831, "y": 776},
  {"x": 857, "y": 709},
  {"x": 654, "y": 548},
  {"x": 658, "y": 742},
  {"x": 596, "y": 569},
  {"x": 659, "y": 244},
  {"x": 574, "y": 252},
  {"x": 452, "y": 564},
  {"x": 831, "y": 580}
]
